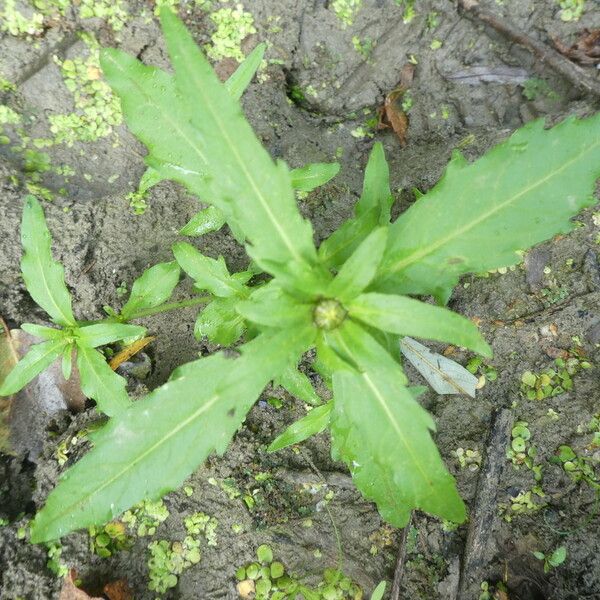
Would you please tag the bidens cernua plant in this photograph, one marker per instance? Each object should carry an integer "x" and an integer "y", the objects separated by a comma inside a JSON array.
[{"x": 349, "y": 298}]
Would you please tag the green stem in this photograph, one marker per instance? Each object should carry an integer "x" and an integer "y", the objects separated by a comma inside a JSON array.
[{"x": 147, "y": 312}]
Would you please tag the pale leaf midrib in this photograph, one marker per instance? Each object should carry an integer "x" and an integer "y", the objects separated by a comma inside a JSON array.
[
  {"x": 241, "y": 164},
  {"x": 382, "y": 402},
  {"x": 421, "y": 253}
]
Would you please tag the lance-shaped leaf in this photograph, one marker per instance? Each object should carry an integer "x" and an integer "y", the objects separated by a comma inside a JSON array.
[
  {"x": 32, "y": 364},
  {"x": 43, "y": 276},
  {"x": 371, "y": 210},
  {"x": 100, "y": 382},
  {"x": 203, "y": 222},
  {"x": 240, "y": 79},
  {"x": 241, "y": 174},
  {"x": 236, "y": 85},
  {"x": 298, "y": 384},
  {"x": 101, "y": 334},
  {"x": 41, "y": 331},
  {"x": 153, "y": 287},
  {"x": 314, "y": 422},
  {"x": 220, "y": 322},
  {"x": 406, "y": 316},
  {"x": 358, "y": 271},
  {"x": 272, "y": 307},
  {"x": 153, "y": 446},
  {"x": 444, "y": 375},
  {"x": 313, "y": 175},
  {"x": 479, "y": 215},
  {"x": 208, "y": 273},
  {"x": 383, "y": 435}
]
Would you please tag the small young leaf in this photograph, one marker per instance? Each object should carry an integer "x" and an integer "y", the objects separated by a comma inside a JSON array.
[
  {"x": 382, "y": 434},
  {"x": 205, "y": 221},
  {"x": 100, "y": 382},
  {"x": 46, "y": 333},
  {"x": 242, "y": 76},
  {"x": 313, "y": 175},
  {"x": 314, "y": 422},
  {"x": 371, "y": 210},
  {"x": 272, "y": 307},
  {"x": 178, "y": 425},
  {"x": 379, "y": 591},
  {"x": 208, "y": 273},
  {"x": 67, "y": 361},
  {"x": 358, "y": 271},
  {"x": 298, "y": 384},
  {"x": 558, "y": 556},
  {"x": 32, "y": 364},
  {"x": 479, "y": 215},
  {"x": 153, "y": 287},
  {"x": 539, "y": 555},
  {"x": 219, "y": 322},
  {"x": 44, "y": 278},
  {"x": 101, "y": 334},
  {"x": 406, "y": 316},
  {"x": 150, "y": 178},
  {"x": 444, "y": 375},
  {"x": 376, "y": 186}
]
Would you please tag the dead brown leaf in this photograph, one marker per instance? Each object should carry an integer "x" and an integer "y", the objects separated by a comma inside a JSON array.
[
  {"x": 391, "y": 114},
  {"x": 118, "y": 590},
  {"x": 8, "y": 359},
  {"x": 115, "y": 590},
  {"x": 129, "y": 351},
  {"x": 586, "y": 50}
]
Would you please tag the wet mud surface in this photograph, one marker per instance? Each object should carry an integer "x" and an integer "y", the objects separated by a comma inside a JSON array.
[{"x": 316, "y": 101}]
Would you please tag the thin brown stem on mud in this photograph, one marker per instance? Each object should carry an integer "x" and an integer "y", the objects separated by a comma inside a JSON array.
[
  {"x": 399, "y": 570},
  {"x": 547, "y": 55}
]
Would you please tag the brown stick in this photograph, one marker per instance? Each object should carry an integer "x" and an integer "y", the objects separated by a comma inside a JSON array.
[
  {"x": 399, "y": 570},
  {"x": 547, "y": 55}
]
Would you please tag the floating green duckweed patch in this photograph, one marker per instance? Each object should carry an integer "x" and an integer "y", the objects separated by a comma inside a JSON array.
[
  {"x": 109, "y": 539},
  {"x": 16, "y": 23},
  {"x": 346, "y": 10},
  {"x": 571, "y": 10},
  {"x": 145, "y": 517},
  {"x": 97, "y": 109},
  {"x": 523, "y": 503},
  {"x": 112, "y": 11},
  {"x": 267, "y": 579},
  {"x": 234, "y": 25},
  {"x": 554, "y": 381},
  {"x": 169, "y": 559},
  {"x": 579, "y": 468}
]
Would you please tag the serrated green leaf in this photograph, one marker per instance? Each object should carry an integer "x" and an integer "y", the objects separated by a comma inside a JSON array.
[
  {"x": 272, "y": 307},
  {"x": 46, "y": 333},
  {"x": 101, "y": 334},
  {"x": 208, "y": 273},
  {"x": 100, "y": 383},
  {"x": 31, "y": 365},
  {"x": 176, "y": 426},
  {"x": 240, "y": 79},
  {"x": 314, "y": 422},
  {"x": 205, "y": 221},
  {"x": 479, "y": 215},
  {"x": 313, "y": 175},
  {"x": 358, "y": 271},
  {"x": 153, "y": 287},
  {"x": 43, "y": 276},
  {"x": 383, "y": 435},
  {"x": 220, "y": 322},
  {"x": 371, "y": 210},
  {"x": 298, "y": 384},
  {"x": 210, "y": 147},
  {"x": 406, "y": 316}
]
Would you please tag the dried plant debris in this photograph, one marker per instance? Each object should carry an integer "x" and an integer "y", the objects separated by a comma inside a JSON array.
[{"x": 585, "y": 51}]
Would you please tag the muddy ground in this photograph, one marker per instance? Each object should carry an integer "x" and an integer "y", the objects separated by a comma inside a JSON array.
[{"x": 316, "y": 101}]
